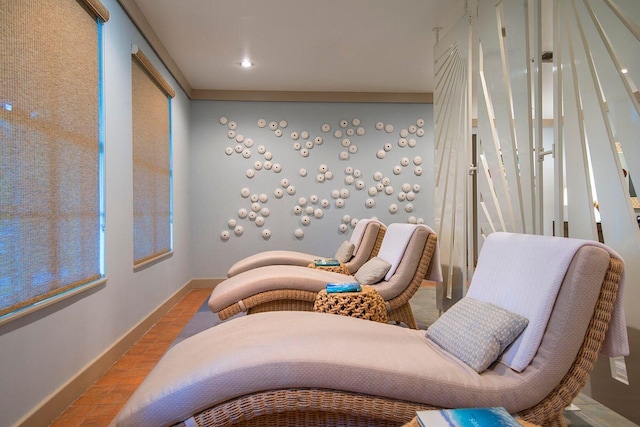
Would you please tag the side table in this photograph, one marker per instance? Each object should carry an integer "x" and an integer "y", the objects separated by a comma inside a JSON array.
[
  {"x": 366, "y": 304},
  {"x": 342, "y": 268}
]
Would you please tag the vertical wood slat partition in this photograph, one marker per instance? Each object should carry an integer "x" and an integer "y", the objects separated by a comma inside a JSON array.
[
  {"x": 596, "y": 123},
  {"x": 597, "y": 62},
  {"x": 452, "y": 129},
  {"x": 151, "y": 160},
  {"x": 505, "y": 122},
  {"x": 496, "y": 37},
  {"x": 49, "y": 149}
]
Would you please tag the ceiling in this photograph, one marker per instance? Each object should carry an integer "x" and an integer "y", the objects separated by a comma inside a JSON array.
[{"x": 302, "y": 45}]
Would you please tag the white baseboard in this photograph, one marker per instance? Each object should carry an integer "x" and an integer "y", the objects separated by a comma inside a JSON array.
[{"x": 54, "y": 404}]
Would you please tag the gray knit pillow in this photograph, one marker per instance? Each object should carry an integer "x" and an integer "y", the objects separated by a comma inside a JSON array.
[
  {"x": 372, "y": 271},
  {"x": 476, "y": 332},
  {"x": 344, "y": 252}
]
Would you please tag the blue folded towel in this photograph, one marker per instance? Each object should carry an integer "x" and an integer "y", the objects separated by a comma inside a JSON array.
[{"x": 343, "y": 287}]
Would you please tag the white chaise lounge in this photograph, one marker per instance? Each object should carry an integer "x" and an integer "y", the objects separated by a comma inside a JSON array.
[
  {"x": 410, "y": 250},
  {"x": 365, "y": 239},
  {"x": 305, "y": 368}
]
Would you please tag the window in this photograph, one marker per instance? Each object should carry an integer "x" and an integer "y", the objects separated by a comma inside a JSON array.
[
  {"x": 151, "y": 103},
  {"x": 51, "y": 238}
]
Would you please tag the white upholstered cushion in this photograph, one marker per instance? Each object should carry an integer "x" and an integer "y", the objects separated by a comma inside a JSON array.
[
  {"x": 394, "y": 244},
  {"x": 372, "y": 271},
  {"x": 345, "y": 251},
  {"x": 523, "y": 273},
  {"x": 358, "y": 232}
]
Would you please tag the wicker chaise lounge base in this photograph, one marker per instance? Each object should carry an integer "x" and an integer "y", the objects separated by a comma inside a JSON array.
[
  {"x": 316, "y": 369},
  {"x": 310, "y": 407},
  {"x": 398, "y": 308}
]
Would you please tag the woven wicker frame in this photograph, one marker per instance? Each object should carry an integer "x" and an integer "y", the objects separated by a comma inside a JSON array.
[
  {"x": 285, "y": 299},
  {"x": 378, "y": 244},
  {"x": 398, "y": 308},
  {"x": 295, "y": 407},
  {"x": 342, "y": 268},
  {"x": 367, "y": 304}
]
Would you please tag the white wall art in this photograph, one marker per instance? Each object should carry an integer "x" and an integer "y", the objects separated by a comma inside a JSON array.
[{"x": 352, "y": 148}]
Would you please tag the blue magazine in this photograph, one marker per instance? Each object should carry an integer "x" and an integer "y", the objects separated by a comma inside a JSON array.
[
  {"x": 343, "y": 287},
  {"x": 464, "y": 417}
]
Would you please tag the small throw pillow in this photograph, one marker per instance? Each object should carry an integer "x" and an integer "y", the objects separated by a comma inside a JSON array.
[
  {"x": 476, "y": 332},
  {"x": 344, "y": 252},
  {"x": 372, "y": 271}
]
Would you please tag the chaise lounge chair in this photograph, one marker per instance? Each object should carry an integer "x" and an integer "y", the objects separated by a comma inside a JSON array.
[
  {"x": 364, "y": 244},
  {"x": 306, "y": 369},
  {"x": 408, "y": 248}
]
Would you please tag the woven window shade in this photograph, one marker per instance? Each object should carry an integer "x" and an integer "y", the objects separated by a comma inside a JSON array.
[
  {"x": 49, "y": 150},
  {"x": 151, "y": 165}
]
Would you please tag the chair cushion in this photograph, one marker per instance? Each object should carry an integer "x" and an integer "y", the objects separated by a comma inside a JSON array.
[
  {"x": 270, "y": 278},
  {"x": 275, "y": 257},
  {"x": 344, "y": 252},
  {"x": 372, "y": 271},
  {"x": 358, "y": 234},
  {"x": 534, "y": 267},
  {"x": 476, "y": 332},
  {"x": 394, "y": 245}
]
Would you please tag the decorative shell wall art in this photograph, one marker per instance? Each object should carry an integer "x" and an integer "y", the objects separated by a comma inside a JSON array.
[{"x": 346, "y": 133}]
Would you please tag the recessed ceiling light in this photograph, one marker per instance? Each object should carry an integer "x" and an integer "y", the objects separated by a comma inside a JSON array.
[
  {"x": 624, "y": 71},
  {"x": 246, "y": 63}
]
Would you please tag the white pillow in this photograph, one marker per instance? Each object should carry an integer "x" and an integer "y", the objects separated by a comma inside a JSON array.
[
  {"x": 372, "y": 271},
  {"x": 476, "y": 332},
  {"x": 345, "y": 251}
]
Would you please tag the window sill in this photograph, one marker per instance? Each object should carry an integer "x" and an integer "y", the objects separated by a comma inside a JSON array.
[
  {"x": 152, "y": 261},
  {"x": 50, "y": 301}
]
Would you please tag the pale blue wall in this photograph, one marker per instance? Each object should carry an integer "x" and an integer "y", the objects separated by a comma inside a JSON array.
[{"x": 217, "y": 178}]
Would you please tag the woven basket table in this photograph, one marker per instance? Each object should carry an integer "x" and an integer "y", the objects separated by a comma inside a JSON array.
[
  {"x": 366, "y": 304},
  {"x": 342, "y": 268}
]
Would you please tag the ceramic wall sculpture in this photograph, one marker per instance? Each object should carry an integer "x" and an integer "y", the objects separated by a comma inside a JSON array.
[{"x": 254, "y": 209}]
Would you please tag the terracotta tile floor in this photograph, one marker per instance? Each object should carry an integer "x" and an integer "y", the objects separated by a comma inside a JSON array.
[{"x": 101, "y": 402}]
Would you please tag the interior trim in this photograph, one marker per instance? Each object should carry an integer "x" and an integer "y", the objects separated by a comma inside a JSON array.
[
  {"x": 151, "y": 261},
  {"x": 98, "y": 9},
  {"x": 141, "y": 23},
  {"x": 54, "y": 404},
  {"x": 152, "y": 71},
  {"x": 307, "y": 96},
  {"x": 51, "y": 300}
]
